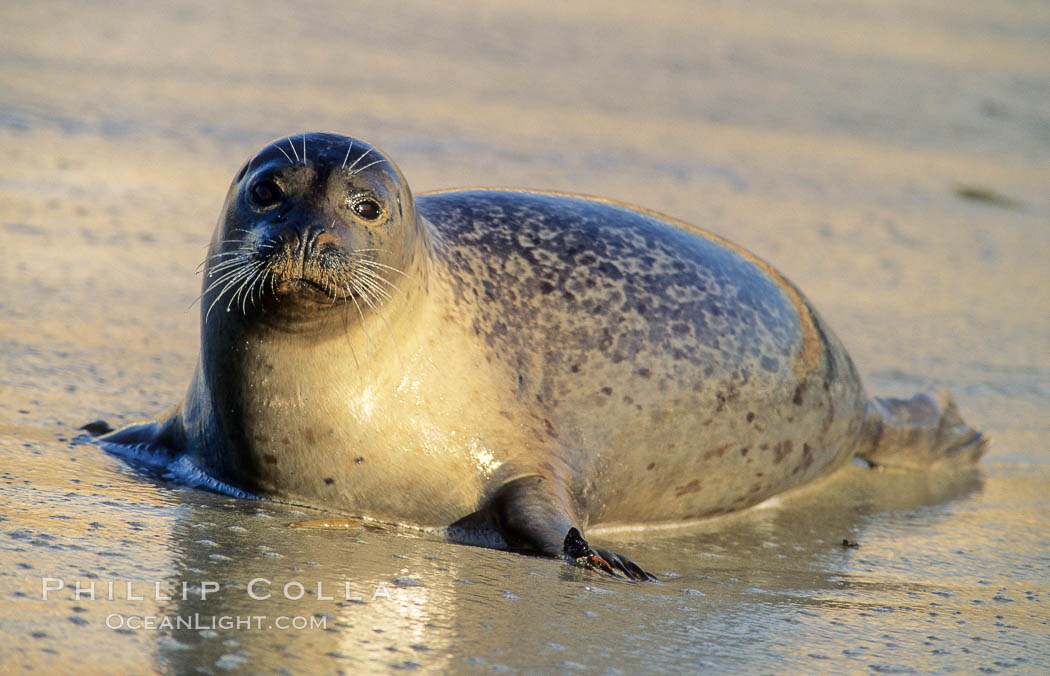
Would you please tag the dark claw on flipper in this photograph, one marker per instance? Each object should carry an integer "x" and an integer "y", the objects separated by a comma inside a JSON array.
[{"x": 582, "y": 554}]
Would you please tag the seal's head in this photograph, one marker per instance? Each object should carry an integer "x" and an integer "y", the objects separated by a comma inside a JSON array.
[{"x": 311, "y": 222}]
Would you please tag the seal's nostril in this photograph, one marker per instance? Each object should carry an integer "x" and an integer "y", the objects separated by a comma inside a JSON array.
[{"x": 323, "y": 239}]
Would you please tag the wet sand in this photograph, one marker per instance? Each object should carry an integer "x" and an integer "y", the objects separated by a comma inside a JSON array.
[{"x": 889, "y": 158}]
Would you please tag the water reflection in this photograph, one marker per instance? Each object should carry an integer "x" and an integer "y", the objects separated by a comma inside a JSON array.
[{"x": 362, "y": 596}]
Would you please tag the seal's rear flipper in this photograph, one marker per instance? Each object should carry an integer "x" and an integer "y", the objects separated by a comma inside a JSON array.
[
  {"x": 531, "y": 513},
  {"x": 923, "y": 431}
]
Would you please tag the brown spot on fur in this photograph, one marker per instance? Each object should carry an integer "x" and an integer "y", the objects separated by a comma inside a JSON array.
[
  {"x": 261, "y": 439},
  {"x": 691, "y": 487},
  {"x": 782, "y": 450},
  {"x": 715, "y": 452},
  {"x": 807, "y": 459},
  {"x": 309, "y": 436},
  {"x": 328, "y": 481},
  {"x": 797, "y": 399},
  {"x": 550, "y": 429},
  {"x": 650, "y": 465},
  {"x": 359, "y": 459},
  {"x": 750, "y": 416},
  {"x": 744, "y": 451},
  {"x": 285, "y": 441},
  {"x": 644, "y": 372},
  {"x": 756, "y": 487},
  {"x": 507, "y": 415},
  {"x": 627, "y": 400},
  {"x": 607, "y": 391},
  {"x": 764, "y": 447},
  {"x": 269, "y": 459}
]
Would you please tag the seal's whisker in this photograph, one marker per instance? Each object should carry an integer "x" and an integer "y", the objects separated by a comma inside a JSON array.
[
  {"x": 375, "y": 280},
  {"x": 228, "y": 277},
  {"x": 304, "y": 149},
  {"x": 230, "y": 256},
  {"x": 370, "y": 164},
  {"x": 222, "y": 276},
  {"x": 359, "y": 158},
  {"x": 375, "y": 275},
  {"x": 349, "y": 148},
  {"x": 240, "y": 251},
  {"x": 227, "y": 265},
  {"x": 294, "y": 151},
  {"x": 377, "y": 264},
  {"x": 231, "y": 277},
  {"x": 393, "y": 338},
  {"x": 354, "y": 293},
  {"x": 222, "y": 292},
  {"x": 249, "y": 291},
  {"x": 216, "y": 260},
  {"x": 255, "y": 276},
  {"x": 346, "y": 327},
  {"x": 286, "y": 156},
  {"x": 371, "y": 293},
  {"x": 369, "y": 280},
  {"x": 372, "y": 277},
  {"x": 223, "y": 254},
  {"x": 240, "y": 288},
  {"x": 262, "y": 281}
]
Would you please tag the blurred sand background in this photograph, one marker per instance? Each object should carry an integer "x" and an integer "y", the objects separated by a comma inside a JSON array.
[{"x": 891, "y": 158}]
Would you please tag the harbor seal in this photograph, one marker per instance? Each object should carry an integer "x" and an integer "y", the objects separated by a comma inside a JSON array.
[{"x": 509, "y": 366}]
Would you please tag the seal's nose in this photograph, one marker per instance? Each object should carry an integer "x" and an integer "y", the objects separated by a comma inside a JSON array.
[
  {"x": 306, "y": 242},
  {"x": 319, "y": 241}
]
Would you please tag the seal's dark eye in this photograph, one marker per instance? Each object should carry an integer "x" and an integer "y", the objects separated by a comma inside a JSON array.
[
  {"x": 367, "y": 209},
  {"x": 266, "y": 193}
]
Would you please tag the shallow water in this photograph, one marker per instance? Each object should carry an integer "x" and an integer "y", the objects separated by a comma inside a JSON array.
[{"x": 889, "y": 158}]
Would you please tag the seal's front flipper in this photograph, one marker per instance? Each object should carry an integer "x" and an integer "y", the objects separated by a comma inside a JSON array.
[
  {"x": 582, "y": 554},
  {"x": 144, "y": 445},
  {"x": 159, "y": 449},
  {"x": 532, "y": 514},
  {"x": 922, "y": 431},
  {"x": 97, "y": 428}
]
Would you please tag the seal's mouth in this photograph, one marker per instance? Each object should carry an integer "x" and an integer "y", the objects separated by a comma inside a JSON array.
[
  {"x": 306, "y": 286},
  {"x": 295, "y": 281},
  {"x": 295, "y": 284}
]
